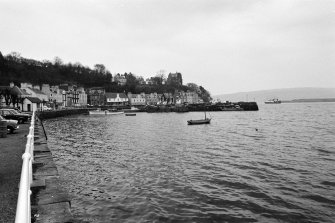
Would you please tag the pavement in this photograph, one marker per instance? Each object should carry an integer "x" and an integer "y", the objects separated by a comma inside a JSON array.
[{"x": 11, "y": 149}]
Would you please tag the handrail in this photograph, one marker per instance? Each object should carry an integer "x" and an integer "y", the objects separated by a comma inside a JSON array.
[{"x": 23, "y": 209}]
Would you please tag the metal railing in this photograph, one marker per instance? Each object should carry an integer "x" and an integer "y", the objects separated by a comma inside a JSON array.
[{"x": 23, "y": 209}]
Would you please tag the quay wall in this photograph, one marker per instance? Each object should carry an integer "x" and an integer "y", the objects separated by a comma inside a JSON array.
[
  {"x": 243, "y": 106},
  {"x": 60, "y": 113},
  {"x": 50, "y": 202}
]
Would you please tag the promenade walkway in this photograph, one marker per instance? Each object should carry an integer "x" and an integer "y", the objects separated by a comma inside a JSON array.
[{"x": 11, "y": 150}]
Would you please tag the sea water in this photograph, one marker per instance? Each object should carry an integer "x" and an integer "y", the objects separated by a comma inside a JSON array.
[{"x": 272, "y": 165}]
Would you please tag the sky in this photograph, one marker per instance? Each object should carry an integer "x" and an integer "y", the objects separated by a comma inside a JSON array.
[{"x": 226, "y": 46}]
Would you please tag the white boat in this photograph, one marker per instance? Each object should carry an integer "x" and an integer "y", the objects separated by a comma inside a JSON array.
[
  {"x": 105, "y": 112},
  {"x": 273, "y": 101},
  {"x": 132, "y": 109}
]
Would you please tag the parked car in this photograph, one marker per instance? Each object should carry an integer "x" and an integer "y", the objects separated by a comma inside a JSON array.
[
  {"x": 46, "y": 108},
  {"x": 11, "y": 124},
  {"x": 11, "y": 114},
  {"x": 18, "y": 112}
]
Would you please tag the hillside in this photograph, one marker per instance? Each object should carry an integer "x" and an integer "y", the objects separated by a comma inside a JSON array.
[
  {"x": 282, "y": 94},
  {"x": 16, "y": 69}
]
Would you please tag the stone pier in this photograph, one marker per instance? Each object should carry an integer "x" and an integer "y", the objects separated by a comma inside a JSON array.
[{"x": 50, "y": 202}]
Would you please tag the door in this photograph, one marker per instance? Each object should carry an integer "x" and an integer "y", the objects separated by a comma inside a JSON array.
[{"x": 28, "y": 107}]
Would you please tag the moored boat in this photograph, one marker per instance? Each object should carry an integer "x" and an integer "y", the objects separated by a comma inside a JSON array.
[
  {"x": 130, "y": 114},
  {"x": 200, "y": 121},
  {"x": 273, "y": 101},
  {"x": 105, "y": 112},
  {"x": 132, "y": 109}
]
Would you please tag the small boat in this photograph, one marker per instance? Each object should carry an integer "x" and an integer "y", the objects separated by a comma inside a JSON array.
[
  {"x": 130, "y": 114},
  {"x": 105, "y": 112},
  {"x": 199, "y": 121},
  {"x": 273, "y": 101},
  {"x": 132, "y": 109}
]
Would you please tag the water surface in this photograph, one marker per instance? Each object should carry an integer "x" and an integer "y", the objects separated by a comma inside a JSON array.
[{"x": 273, "y": 165}]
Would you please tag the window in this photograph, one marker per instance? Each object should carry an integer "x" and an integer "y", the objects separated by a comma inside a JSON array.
[{"x": 6, "y": 112}]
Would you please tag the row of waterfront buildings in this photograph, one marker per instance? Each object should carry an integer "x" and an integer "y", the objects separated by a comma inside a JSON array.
[{"x": 34, "y": 97}]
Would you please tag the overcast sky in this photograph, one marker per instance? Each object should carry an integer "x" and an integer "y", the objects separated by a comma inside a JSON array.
[{"x": 224, "y": 45}]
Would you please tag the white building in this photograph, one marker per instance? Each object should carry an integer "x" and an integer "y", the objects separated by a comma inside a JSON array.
[
  {"x": 31, "y": 104},
  {"x": 116, "y": 99}
]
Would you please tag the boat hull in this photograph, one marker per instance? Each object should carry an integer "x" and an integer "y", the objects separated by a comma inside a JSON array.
[
  {"x": 199, "y": 122},
  {"x": 105, "y": 113},
  {"x": 271, "y": 102}
]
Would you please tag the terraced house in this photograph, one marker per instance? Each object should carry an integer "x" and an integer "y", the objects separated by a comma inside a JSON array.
[
  {"x": 96, "y": 96},
  {"x": 116, "y": 99},
  {"x": 136, "y": 99}
]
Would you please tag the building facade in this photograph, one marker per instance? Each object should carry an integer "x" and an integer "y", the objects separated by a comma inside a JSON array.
[
  {"x": 74, "y": 97},
  {"x": 152, "y": 98},
  {"x": 189, "y": 97},
  {"x": 96, "y": 96},
  {"x": 136, "y": 99},
  {"x": 31, "y": 104},
  {"x": 54, "y": 93},
  {"x": 120, "y": 79},
  {"x": 116, "y": 99}
]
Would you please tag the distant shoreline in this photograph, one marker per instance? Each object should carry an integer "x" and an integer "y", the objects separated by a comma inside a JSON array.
[{"x": 309, "y": 100}]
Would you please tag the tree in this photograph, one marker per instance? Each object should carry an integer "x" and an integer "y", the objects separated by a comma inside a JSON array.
[
  {"x": 100, "y": 68},
  {"x": 193, "y": 87},
  {"x": 160, "y": 77},
  {"x": 58, "y": 61},
  {"x": 109, "y": 76},
  {"x": 204, "y": 94},
  {"x": 14, "y": 56}
]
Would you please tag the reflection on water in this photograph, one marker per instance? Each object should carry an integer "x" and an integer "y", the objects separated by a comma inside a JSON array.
[{"x": 274, "y": 165}]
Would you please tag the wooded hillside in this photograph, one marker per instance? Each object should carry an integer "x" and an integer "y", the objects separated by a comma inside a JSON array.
[{"x": 14, "y": 68}]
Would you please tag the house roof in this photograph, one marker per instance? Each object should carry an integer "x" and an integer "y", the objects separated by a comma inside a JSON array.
[
  {"x": 18, "y": 91},
  {"x": 64, "y": 87},
  {"x": 36, "y": 90},
  {"x": 136, "y": 95},
  {"x": 114, "y": 95},
  {"x": 14, "y": 90},
  {"x": 34, "y": 99}
]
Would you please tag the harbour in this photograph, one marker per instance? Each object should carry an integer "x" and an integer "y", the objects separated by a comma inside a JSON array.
[
  {"x": 167, "y": 111},
  {"x": 249, "y": 167}
]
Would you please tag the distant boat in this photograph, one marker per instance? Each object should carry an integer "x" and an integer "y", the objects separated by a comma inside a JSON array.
[
  {"x": 130, "y": 114},
  {"x": 105, "y": 112},
  {"x": 273, "y": 101},
  {"x": 200, "y": 121},
  {"x": 132, "y": 109}
]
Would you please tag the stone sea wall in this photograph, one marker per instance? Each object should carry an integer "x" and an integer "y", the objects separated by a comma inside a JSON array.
[
  {"x": 60, "y": 113},
  {"x": 50, "y": 202}
]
